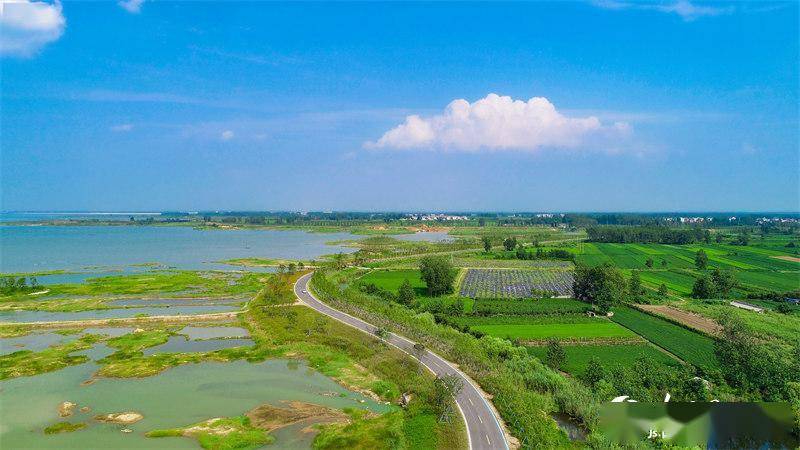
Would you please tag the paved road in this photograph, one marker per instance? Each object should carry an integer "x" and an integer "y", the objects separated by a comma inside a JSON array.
[{"x": 483, "y": 428}]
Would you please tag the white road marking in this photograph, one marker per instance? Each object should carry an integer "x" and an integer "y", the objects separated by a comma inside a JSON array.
[
  {"x": 470, "y": 402},
  {"x": 479, "y": 418},
  {"x": 487, "y": 440}
]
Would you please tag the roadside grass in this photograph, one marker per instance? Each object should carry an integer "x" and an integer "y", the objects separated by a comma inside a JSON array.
[
  {"x": 363, "y": 432},
  {"x": 610, "y": 356},
  {"x": 691, "y": 347}
]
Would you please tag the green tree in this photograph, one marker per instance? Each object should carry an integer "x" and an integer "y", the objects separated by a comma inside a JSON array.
[
  {"x": 663, "y": 263},
  {"x": 649, "y": 263},
  {"x": 718, "y": 238},
  {"x": 510, "y": 243},
  {"x": 594, "y": 372},
  {"x": 635, "y": 284},
  {"x": 601, "y": 285},
  {"x": 662, "y": 290},
  {"x": 438, "y": 274},
  {"x": 487, "y": 243},
  {"x": 703, "y": 288},
  {"x": 556, "y": 356},
  {"x": 701, "y": 259},
  {"x": 445, "y": 389},
  {"x": 406, "y": 293},
  {"x": 724, "y": 281}
]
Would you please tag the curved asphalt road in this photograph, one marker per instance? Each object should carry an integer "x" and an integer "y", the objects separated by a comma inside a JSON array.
[{"x": 483, "y": 429}]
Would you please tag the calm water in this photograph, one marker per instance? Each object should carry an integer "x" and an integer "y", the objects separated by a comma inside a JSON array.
[
  {"x": 180, "y": 344},
  {"x": 76, "y": 248},
  {"x": 177, "y": 397}
]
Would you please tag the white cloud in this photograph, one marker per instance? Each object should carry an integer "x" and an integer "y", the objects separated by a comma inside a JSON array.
[
  {"x": 122, "y": 128},
  {"x": 26, "y": 26},
  {"x": 132, "y": 6},
  {"x": 226, "y": 135},
  {"x": 499, "y": 123},
  {"x": 684, "y": 8}
]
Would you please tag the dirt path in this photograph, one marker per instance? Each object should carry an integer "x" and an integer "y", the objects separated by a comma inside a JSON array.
[
  {"x": 787, "y": 258},
  {"x": 691, "y": 320}
]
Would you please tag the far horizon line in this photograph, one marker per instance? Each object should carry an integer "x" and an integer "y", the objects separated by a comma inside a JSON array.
[{"x": 432, "y": 211}]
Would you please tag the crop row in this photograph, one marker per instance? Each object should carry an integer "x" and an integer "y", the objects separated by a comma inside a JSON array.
[
  {"x": 485, "y": 307},
  {"x": 692, "y": 347},
  {"x": 500, "y": 283}
]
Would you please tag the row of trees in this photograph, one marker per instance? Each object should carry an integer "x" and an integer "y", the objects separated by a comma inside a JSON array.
[
  {"x": 647, "y": 235},
  {"x": 17, "y": 285}
]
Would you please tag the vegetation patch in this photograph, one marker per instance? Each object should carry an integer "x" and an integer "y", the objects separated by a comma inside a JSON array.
[
  {"x": 690, "y": 346},
  {"x": 601, "y": 329},
  {"x": 533, "y": 306},
  {"x": 220, "y": 434},
  {"x": 64, "y": 427},
  {"x": 26, "y": 362},
  {"x": 577, "y": 357},
  {"x": 509, "y": 283},
  {"x": 364, "y": 431}
]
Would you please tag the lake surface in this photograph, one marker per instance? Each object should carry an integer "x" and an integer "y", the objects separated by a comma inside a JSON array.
[
  {"x": 177, "y": 397},
  {"x": 100, "y": 248}
]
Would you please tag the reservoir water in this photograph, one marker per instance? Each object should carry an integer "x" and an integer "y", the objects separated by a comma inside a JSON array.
[
  {"x": 107, "y": 250},
  {"x": 178, "y": 397}
]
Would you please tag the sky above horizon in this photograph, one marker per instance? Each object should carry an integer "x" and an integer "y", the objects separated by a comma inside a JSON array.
[{"x": 567, "y": 106}]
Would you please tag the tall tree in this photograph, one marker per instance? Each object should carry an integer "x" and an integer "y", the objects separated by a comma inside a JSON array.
[
  {"x": 556, "y": 356},
  {"x": 601, "y": 285},
  {"x": 438, "y": 274},
  {"x": 406, "y": 293},
  {"x": 701, "y": 259},
  {"x": 635, "y": 284},
  {"x": 510, "y": 243},
  {"x": 703, "y": 288},
  {"x": 487, "y": 243},
  {"x": 724, "y": 281},
  {"x": 445, "y": 389}
]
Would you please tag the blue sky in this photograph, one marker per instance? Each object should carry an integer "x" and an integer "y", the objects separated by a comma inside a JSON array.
[{"x": 667, "y": 106}]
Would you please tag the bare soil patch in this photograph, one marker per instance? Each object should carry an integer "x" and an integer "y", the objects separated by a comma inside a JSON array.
[
  {"x": 787, "y": 258},
  {"x": 268, "y": 417},
  {"x": 691, "y": 320}
]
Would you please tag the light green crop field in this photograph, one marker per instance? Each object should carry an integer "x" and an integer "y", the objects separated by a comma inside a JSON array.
[
  {"x": 578, "y": 356},
  {"x": 692, "y": 347},
  {"x": 392, "y": 279},
  {"x": 563, "y": 331}
]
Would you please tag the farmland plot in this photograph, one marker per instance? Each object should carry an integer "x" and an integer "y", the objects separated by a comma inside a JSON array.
[{"x": 504, "y": 283}]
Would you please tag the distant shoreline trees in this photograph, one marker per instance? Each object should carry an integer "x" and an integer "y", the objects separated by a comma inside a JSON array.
[{"x": 645, "y": 235}]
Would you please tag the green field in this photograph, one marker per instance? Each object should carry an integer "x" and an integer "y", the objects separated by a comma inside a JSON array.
[
  {"x": 692, "y": 347},
  {"x": 601, "y": 329},
  {"x": 578, "y": 356},
  {"x": 755, "y": 267},
  {"x": 530, "y": 306},
  {"x": 392, "y": 279}
]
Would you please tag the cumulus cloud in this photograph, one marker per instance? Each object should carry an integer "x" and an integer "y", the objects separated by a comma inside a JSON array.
[
  {"x": 26, "y": 26},
  {"x": 684, "y": 8},
  {"x": 123, "y": 127},
  {"x": 132, "y": 6},
  {"x": 498, "y": 123},
  {"x": 226, "y": 135}
]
